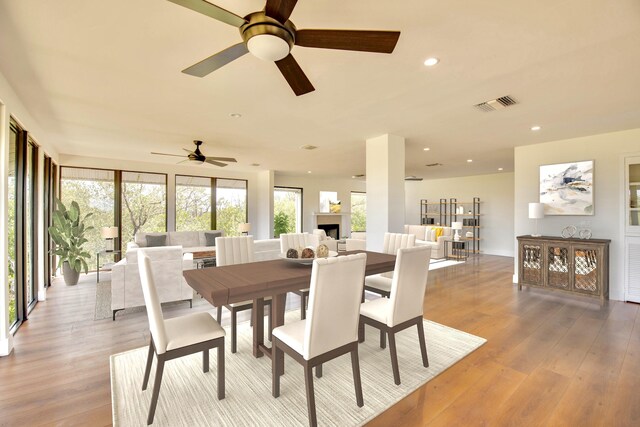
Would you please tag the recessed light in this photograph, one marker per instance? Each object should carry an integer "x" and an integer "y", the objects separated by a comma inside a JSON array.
[
  {"x": 308, "y": 147},
  {"x": 426, "y": 149},
  {"x": 235, "y": 115},
  {"x": 535, "y": 128},
  {"x": 308, "y": 171},
  {"x": 255, "y": 164},
  {"x": 500, "y": 169},
  {"x": 430, "y": 62},
  {"x": 469, "y": 160}
]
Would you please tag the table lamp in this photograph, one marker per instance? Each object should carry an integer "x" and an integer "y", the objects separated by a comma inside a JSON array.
[
  {"x": 109, "y": 233},
  {"x": 536, "y": 211},
  {"x": 244, "y": 228},
  {"x": 456, "y": 225}
]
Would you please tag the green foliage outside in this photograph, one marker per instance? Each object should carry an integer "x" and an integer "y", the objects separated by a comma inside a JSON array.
[
  {"x": 144, "y": 208},
  {"x": 193, "y": 208},
  {"x": 230, "y": 212},
  {"x": 67, "y": 232},
  {"x": 282, "y": 224},
  {"x": 358, "y": 212},
  {"x": 11, "y": 231},
  {"x": 285, "y": 205}
]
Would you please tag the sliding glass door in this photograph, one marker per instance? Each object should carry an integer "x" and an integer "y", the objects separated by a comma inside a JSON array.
[
  {"x": 30, "y": 214},
  {"x": 12, "y": 225}
]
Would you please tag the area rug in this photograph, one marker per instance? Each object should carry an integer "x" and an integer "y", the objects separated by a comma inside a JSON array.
[{"x": 188, "y": 396}]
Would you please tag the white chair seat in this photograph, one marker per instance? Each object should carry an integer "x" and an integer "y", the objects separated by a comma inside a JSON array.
[
  {"x": 191, "y": 329},
  {"x": 376, "y": 309},
  {"x": 292, "y": 334},
  {"x": 379, "y": 281},
  {"x": 240, "y": 304}
]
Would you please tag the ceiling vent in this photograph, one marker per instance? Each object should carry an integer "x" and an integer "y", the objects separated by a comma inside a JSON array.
[
  {"x": 360, "y": 175},
  {"x": 308, "y": 147},
  {"x": 412, "y": 178},
  {"x": 430, "y": 165},
  {"x": 496, "y": 104}
]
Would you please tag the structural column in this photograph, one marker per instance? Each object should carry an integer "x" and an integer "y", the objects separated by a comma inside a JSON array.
[
  {"x": 385, "y": 188},
  {"x": 262, "y": 221}
]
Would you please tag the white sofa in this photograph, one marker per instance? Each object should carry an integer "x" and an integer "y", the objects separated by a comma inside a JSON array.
[
  {"x": 323, "y": 239},
  {"x": 357, "y": 241},
  {"x": 167, "y": 263},
  {"x": 426, "y": 236},
  {"x": 191, "y": 241}
]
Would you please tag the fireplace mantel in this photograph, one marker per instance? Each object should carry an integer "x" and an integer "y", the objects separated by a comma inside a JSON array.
[{"x": 331, "y": 214}]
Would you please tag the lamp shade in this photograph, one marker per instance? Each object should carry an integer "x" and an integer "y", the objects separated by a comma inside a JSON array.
[
  {"x": 244, "y": 227},
  {"x": 536, "y": 210},
  {"x": 456, "y": 225},
  {"x": 109, "y": 232}
]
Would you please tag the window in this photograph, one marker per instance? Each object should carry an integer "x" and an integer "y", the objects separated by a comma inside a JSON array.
[
  {"x": 144, "y": 204},
  {"x": 30, "y": 221},
  {"x": 287, "y": 210},
  {"x": 11, "y": 224},
  {"x": 94, "y": 191},
  {"x": 325, "y": 198},
  {"x": 193, "y": 203},
  {"x": 358, "y": 211},
  {"x": 231, "y": 205}
]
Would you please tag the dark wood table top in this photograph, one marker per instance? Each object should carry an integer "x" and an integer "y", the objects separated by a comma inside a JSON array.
[{"x": 241, "y": 282}]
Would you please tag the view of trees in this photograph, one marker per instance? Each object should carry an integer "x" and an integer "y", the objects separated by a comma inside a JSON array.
[
  {"x": 11, "y": 229},
  {"x": 358, "y": 211},
  {"x": 286, "y": 211},
  {"x": 144, "y": 205},
  {"x": 193, "y": 203},
  {"x": 231, "y": 205}
]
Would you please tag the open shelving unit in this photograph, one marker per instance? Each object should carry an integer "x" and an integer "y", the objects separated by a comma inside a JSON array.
[{"x": 446, "y": 211}]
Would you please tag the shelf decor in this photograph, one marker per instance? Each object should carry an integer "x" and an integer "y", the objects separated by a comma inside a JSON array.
[{"x": 567, "y": 188}]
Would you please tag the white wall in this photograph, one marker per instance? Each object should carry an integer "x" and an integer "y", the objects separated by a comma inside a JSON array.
[
  {"x": 311, "y": 187},
  {"x": 496, "y": 192},
  {"x": 607, "y": 150}
]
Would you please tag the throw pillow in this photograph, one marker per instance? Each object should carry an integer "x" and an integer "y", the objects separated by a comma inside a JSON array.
[
  {"x": 210, "y": 237},
  {"x": 439, "y": 232},
  {"x": 156, "y": 240}
]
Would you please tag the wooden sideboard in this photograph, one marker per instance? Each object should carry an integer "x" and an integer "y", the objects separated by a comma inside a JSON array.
[{"x": 579, "y": 266}]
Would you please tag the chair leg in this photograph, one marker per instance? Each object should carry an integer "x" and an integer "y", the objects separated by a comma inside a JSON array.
[
  {"x": 270, "y": 322},
  {"x": 221, "y": 381},
  {"x": 156, "y": 390},
  {"x": 219, "y": 315},
  {"x": 383, "y": 341},
  {"x": 360, "y": 331},
  {"x": 311, "y": 399},
  {"x": 147, "y": 370},
  {"x": 394, "y": 358},
  {"x": 276, "y": 354},
  {"x": 423, "y": 344},
  {"x": 303, "y": 306},
  {"x": 355, "y": 366},
  {"x": 205, "y": 361},
  {"x": 319, "y": 371},
  {"x": 234, "y": 324}
]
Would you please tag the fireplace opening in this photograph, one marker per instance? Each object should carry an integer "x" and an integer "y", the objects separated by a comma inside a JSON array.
[{"x": 332, "y": 230}]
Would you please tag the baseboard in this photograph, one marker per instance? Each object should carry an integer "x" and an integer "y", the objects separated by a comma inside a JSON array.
[{"x": 6, "y": 346}]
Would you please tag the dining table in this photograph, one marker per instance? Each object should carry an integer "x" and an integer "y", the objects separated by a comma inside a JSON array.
[{"x": 256, "y": 281}]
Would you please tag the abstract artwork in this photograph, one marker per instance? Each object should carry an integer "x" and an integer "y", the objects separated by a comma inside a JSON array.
[{"x": 567, "y": 188}]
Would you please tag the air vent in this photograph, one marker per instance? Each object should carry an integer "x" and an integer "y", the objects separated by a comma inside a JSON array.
[
  {"x": 412, "y": 178},
  {"x": 360, "y": 175},
  {"x": 430, "y": 165},
  {"x": 308, "y": 147},
  {"x": 496, "y": 104}
]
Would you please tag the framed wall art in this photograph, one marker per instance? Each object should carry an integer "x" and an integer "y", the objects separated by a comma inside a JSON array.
[{"x": 567, "y": 188}]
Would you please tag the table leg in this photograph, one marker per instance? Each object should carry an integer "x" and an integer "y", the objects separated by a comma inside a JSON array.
[
  {"x": 278, "y": 303},
  {"x": 258, "y": 326}
]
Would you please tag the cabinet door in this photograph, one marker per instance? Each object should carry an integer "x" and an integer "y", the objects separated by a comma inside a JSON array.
[
  {"x": 558, "y": 266},
  {"x": 587, "y": 261},
  {"x": 531, "y": 262}
]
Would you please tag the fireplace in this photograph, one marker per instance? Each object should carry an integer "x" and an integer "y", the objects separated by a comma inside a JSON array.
[{"x": 332, "y": 230}]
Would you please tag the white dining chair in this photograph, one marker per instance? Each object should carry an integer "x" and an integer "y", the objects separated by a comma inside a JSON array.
[
  {"x": 404, "y": 307},
  {"x": 176, "y": 337},
  {"x": 381, "y": 283},
  {"x": 330, "y": 330},
  {"x": 230, "y": 251},
  {"x": 295, "y": 241}
]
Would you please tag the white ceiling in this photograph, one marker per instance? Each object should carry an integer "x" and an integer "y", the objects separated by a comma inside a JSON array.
[{"x": 103, "y": 79}]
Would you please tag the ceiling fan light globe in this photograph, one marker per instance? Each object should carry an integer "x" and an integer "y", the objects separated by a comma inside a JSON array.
[{"x": 268, "y": 47}]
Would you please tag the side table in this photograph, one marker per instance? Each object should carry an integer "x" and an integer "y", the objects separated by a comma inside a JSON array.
[
  {"x": 459, "y": 249},
  {"x": 103, "y": 253}
]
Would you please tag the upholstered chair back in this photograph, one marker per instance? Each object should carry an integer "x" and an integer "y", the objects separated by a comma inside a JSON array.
[
  {"x": 234, "y": 250},
  {"x": 298, "y": 240},
  {"x": 151, "y": 300},
  {"x": 395, "y": 241},
  {"x": 334, "y": 303},
  {"x": 409, "y": 284},
  {"x": 322, "y": 234}
]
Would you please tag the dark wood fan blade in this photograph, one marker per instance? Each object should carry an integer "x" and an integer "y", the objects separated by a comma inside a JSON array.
[
  {"x": 213, "y": 162},
  {"x": 216, "y": 61},
  {"x": 360, "y": 40},
  {"x": 280, "y": 10},
  {"x": 188, "y": 151},
  {"x": 211, "y": 10},
  {"x": 223, "y": 159},
  {"x": 165, "y": 154},
  {"x": 294, "y": 75}
]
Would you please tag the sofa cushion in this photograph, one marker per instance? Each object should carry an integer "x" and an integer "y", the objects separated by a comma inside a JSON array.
[
  {"x": 186, "y": 239},
  {"x": 210, "y": 237},
  {"x": 156, "y": 240}
]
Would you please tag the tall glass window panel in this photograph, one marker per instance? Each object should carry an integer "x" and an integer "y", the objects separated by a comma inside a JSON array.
[
  {"x": 358, "y": 211},
  {"x": 231, "y": 205},
  {"x": 11, "y": 225},
  {"x": 29, "y": 196},
  {"x": 94, "y": 191},
  {"x": 287, "y": 210},
  {"x": 193, "y": 203},
  {"x": 144, "y": 204}
]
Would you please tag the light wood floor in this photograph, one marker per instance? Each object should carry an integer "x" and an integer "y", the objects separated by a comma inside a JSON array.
[{"x": 550, "y": 359}]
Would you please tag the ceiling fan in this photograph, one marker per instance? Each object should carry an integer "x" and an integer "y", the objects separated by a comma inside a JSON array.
[
  {"x": 270, "y": 35},
  {"x": 197, "y": 156}
]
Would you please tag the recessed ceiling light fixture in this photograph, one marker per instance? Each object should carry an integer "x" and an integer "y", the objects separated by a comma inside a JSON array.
[
  {"x": 235, "y": 115},
  {"x": 536, "y": 128},
  {"x": 469, "y": 160},
  {"x": 308, "y": 147},
  {"x": 500, "y": 169},
  {"x": 308, "y": 171},
  {"x": 255, "y": 164},
  {"x": 426, "y": 149},
  {"x": 430, "y": 62}
]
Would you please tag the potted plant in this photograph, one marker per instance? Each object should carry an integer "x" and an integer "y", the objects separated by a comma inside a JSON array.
[{"x": 68, "y": 231}]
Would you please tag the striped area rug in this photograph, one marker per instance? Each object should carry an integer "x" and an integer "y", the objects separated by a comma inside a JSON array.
[{"x": 188, "y": 396}]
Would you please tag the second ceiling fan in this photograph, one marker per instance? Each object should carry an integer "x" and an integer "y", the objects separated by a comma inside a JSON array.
[{"x": 270, "y": 35}]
